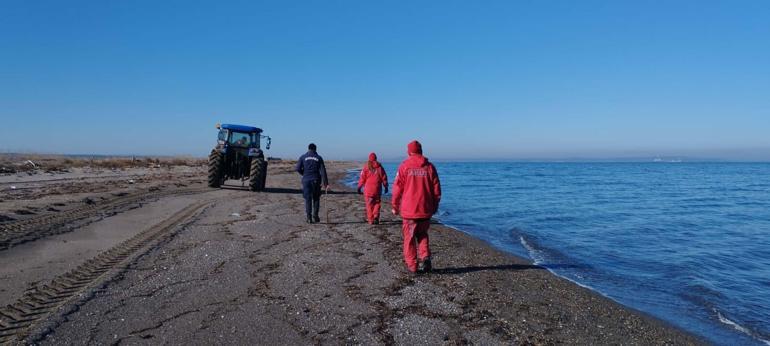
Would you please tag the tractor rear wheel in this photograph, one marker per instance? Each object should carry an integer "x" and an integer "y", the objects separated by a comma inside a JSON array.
[
  {"x": 215, "y": 169},
  {"x": 264, "y": 174},
  {"x": 257, "y": 174}
]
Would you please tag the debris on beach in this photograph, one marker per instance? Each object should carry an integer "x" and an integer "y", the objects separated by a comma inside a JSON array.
[
  {"x": 13, "y": 187},
  {"x": 131, "y": 181},
  {"x": 235, "y": 214}
]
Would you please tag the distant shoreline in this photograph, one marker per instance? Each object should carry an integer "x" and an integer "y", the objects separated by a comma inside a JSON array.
[{"x": 643, "y": 159}]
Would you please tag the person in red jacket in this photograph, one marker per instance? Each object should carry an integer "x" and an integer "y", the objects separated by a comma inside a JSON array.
[
  {"x": 373, "y": 179},
  {"x": 416, "y": 196}
]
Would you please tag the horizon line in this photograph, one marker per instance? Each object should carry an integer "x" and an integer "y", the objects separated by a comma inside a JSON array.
[{"x": 607, "y": 159}]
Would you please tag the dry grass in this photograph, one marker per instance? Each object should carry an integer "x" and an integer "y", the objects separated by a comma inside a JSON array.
[{"x": 14, "y": 163}]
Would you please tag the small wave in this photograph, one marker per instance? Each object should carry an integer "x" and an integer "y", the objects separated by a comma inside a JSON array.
[
  {"x": 535, "y": 254},
  {"x": 538, "y": 258},
  {"x": 740, "y": 328}
]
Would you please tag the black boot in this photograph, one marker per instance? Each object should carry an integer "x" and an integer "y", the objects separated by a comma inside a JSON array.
[
  {"x": 309, "y": 219},
  {"x": 425, "y": 266}
]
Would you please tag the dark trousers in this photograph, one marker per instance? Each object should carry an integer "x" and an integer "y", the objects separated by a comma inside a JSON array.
[{"x": 311, "y": 190}]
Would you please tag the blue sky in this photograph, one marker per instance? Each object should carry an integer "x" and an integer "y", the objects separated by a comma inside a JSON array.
[{"x": 482, "y": 80}]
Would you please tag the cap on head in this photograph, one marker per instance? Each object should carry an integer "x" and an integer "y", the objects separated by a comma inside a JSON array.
[
  {"x": 414, "y": 147},
  {"x": 311, "y": 146},
  {"x": 372, "y": 157}
]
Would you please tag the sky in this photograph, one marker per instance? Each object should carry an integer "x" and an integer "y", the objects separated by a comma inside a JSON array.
[{"x": 469, "y": 79}]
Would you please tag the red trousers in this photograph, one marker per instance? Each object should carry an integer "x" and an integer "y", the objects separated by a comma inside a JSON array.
[
  {"x": 415, "y": 241},
  {"x": 373, "y": 204}
]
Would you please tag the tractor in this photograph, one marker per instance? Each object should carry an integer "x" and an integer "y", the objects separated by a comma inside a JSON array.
[{"x": 238, "y": 156}]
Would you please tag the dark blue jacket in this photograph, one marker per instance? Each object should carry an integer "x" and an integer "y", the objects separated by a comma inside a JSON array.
[{"x": 311, "y": 167}]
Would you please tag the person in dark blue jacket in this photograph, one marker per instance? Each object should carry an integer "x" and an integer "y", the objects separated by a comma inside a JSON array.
[{"x": 311, "y": 167}]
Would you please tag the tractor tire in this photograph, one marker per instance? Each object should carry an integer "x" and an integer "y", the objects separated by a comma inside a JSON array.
[
  {"x": 257, "y": 173},
  {"x": 264, "y": 175},
  {"x": 215, "y": 169}
]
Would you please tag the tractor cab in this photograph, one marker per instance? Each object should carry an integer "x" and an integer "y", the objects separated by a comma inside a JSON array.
[{"x": 240, "y": 136}]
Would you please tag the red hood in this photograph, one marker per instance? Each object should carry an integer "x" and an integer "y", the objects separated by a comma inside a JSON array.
[{"x": 416, "y": 160}]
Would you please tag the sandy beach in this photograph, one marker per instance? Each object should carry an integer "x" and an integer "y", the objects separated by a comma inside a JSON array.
[{"x": 151, "y": 256}]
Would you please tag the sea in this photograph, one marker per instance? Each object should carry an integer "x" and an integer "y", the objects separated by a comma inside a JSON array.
[{"x": 688, "y": 243}]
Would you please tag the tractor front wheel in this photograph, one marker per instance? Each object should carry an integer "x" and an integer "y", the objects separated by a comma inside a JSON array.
[
  {"x": 215, "y": 169},
  {"x": 257, "y": 174}
]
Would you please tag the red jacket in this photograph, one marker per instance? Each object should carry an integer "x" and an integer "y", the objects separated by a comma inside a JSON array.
[
  {"x": 373, "y": 179},
  {"x": 417, "y": 189}
]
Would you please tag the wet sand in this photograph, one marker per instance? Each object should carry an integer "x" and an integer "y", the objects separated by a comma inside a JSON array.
[{"x": 248, "y": 270}]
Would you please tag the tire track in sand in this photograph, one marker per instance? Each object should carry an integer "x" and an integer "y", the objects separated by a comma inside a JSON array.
[
  {"x": 19, "y": 318},
  {"x": 22, "y": 231}
]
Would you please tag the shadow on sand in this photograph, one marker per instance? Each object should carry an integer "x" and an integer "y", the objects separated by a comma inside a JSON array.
[
  {"x": 299, "y": 191},
  {"x": 364, "y": 222},
  {"x": 464, "y": 270},
  {"x": 341, "y": 193},
  {"x": 282, "y": 190},
  {"x": 344, "y": 223},
  {"x": 266, "y": 190},
  {"x": 235, "y": 187}
]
